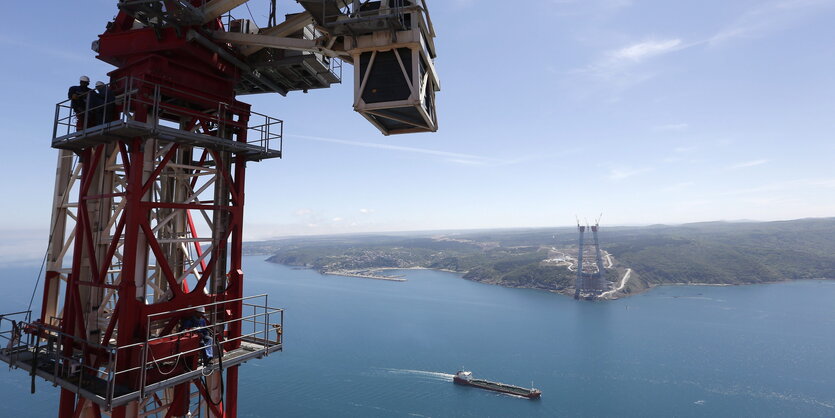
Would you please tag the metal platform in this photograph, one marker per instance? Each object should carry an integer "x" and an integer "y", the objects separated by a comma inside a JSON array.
[
  {"x": 253, "y": 135},
  {"x": 95, "y": 388},
  {"x": 116, "y": 375},
  {"x": 128, "y": 128},
  {"x": 296, "y": 71},
  {"x": 346, "y": 18}
]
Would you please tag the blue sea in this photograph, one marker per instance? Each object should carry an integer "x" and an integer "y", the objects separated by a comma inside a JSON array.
[{"x": 369, "y": 348}]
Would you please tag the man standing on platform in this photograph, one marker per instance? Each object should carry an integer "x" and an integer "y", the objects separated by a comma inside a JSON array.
[
  {"x": 78, "y": 100},
  {"x": 102, "y": 105}
]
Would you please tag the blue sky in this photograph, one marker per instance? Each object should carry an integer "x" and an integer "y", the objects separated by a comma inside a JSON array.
[{"x": 646, "y": 111}]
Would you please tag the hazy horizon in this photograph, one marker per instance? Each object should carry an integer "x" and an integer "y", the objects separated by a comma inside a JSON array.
[{"x": 649, "y": 112}]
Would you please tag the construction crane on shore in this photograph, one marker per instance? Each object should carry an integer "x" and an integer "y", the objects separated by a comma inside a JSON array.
[{"x": 143, "y": 311}]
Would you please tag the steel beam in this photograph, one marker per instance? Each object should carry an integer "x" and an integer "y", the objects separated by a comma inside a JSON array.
[
  {"x": 215, "y": 8},
  {"x": 267, "y": 41},
  {"x": 284, "y": 29}
]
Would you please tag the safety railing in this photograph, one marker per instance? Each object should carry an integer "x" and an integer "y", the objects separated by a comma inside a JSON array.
[
  {"x": 111, "y": 375},
  {"x": 255, "y": 323},
  {"x": 395, "y": 12},
  {"x": 266, "y": 131},
  {"x": 151, "y": 106},
  {"x": 58, "y": 357},
  {"x": 334, "y": 65}
]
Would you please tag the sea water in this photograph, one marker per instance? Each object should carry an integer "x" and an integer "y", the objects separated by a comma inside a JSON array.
[{"x": 371, "y": 348}]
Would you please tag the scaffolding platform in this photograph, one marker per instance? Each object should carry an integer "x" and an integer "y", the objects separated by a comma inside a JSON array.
[
  {"x": 164, "y": 109},
  {"x": 127, "y": 128},
  {"x": 295, "y": 70},
  {"x": 110, "y": 395},
  {"x": 116, "y": 375}
]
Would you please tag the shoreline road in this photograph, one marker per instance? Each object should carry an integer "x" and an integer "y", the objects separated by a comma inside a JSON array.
[{"x": 620, "y": 286}]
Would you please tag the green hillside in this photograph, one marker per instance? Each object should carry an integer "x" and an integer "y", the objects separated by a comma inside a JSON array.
[{"x": 710, "y": 253}]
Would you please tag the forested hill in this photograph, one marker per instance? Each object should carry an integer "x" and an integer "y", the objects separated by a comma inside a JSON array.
[
  {"x": 720, "y": 252},
  {"x": 712, "y": 253}
]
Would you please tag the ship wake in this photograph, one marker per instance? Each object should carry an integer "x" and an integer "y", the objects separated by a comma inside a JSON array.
[{"x": 426, "y": 374}]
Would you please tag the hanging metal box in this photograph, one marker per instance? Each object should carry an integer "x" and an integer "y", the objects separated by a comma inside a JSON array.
[{"x": 394, "y": 75}]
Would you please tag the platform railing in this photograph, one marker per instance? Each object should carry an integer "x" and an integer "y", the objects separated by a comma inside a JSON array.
[
  {"x": 395, "y": 12},
  {"x": 259, "y": 326},
  {"x": 152, "y": 105},
  {"x": 35, "y": 344},
  {"x": 334, "y": 65},
  {"x": 32, "y": 345}
]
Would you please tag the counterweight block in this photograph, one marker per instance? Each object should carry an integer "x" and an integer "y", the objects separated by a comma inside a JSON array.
[
  {"x": 395, "y": 92},
  {"x": 391, "y": 44}
]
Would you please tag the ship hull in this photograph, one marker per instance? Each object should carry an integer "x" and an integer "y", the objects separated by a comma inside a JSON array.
[{"x": 499, "y": 387}]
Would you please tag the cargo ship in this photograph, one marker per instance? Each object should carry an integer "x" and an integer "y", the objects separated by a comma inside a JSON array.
[{"x": 466, "y": 378}]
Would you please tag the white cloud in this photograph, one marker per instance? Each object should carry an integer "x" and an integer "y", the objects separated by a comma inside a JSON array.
[
  {"x": 678, "y": 187},
  {"x": 617, "y": 174},
  {"x": 449, "y": 157},
  {"x": 769, "y": 16},
  {"x": 626, "y": 67},
  {"x": 793, "y": 185},
  {"x": 304, "y": 212},
  {"x": 465, "y": 162},
  {"x": 366, "y": 211},
  {"x": 594, "y": 8},
  {"x": 671, "y": 127},
  {"x": 747, "y": 164},
  {"x": 621, "y": 69},
  {"x": 643, "y": 50},
  {"x": 684, "y": 150},
  {"x": 22, "y": 247},
  {"x": 391, "y": 147},
  {"x": 458, "y": 158}
]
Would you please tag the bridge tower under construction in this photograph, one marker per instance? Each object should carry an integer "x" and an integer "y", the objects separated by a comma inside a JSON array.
[{"x": 590, "y": 280}]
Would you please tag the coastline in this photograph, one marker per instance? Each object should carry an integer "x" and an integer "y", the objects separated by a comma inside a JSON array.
[
  {"x": 369, "y": 274},
  {"x": 364, "y": 274},
  {"x": 819, "y": 279},
  {"x": 420, "y": 268}
]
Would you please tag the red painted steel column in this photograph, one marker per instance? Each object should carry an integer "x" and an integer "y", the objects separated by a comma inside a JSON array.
[
  {"x": 129, "y": 309},
  {"x": 232, "y": 392},
  {"x": 67, "y": 405},
  {"x": 236, "y": 274}
]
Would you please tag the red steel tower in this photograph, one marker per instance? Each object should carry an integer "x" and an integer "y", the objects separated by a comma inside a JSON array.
[{"x": 143, "y": 310}]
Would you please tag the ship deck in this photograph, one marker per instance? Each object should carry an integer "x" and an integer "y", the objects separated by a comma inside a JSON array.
[{"x": 530, "y": 393}]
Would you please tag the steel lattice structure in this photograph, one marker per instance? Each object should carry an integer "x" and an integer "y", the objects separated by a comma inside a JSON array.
[{"x": 148, "y": 208}]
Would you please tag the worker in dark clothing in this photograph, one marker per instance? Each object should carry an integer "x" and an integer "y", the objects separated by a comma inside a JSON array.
[
  {"x": 102, "y": 104},
  {"x": 198, "y": 320},
  {"x": 78, "y": 100}
]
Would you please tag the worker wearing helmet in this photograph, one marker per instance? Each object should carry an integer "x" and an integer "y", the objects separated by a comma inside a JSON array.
[
  {"x": 102, "y": 106},
  {"x": 78, "y": 100},
  {"x": 198, "y": 320}
]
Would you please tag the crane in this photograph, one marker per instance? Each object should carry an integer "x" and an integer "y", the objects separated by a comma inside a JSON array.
[{"x": 143, "y": 309}]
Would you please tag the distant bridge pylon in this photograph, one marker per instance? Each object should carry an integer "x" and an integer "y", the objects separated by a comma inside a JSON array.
[{"x": 590, "y": 280}]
